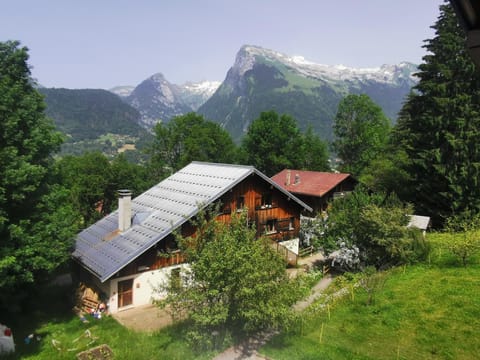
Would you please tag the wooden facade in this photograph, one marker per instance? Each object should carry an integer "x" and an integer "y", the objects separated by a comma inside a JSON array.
[{"x": 272, "y": 213}]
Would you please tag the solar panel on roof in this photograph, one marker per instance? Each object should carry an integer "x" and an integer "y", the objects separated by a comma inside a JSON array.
[{"x": 156, "y": 213}]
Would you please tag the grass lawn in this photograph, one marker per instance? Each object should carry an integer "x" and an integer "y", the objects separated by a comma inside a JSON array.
[
  {"x": 427, "y": 311},
  {"x": 62, "y": 335},
  {"x": 424, "y": 311}
]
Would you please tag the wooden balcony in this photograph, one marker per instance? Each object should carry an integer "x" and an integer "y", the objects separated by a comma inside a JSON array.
[{"x": 169, "y": 259}]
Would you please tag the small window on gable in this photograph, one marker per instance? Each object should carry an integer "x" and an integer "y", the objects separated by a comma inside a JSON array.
[
  {"x": 240, "y": 202},
  {"x": 267, "y": 199},
  {"x": 271, "y": 226}
]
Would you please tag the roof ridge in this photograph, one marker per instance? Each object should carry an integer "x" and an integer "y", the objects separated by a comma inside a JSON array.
[{"x": 220, "y": 164}]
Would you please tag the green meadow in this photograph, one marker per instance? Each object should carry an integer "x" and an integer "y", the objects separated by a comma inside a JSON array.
[{"x": 422, "y": 311}]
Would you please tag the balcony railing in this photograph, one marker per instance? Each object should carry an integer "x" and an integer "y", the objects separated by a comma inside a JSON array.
[{"x": 169, "y": 259}]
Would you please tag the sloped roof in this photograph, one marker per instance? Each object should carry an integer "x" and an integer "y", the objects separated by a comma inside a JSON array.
[
  {"x": 313, "y": 183},
  {"x": 104, "y": 251},
  {"x": 420, "y": 222}
]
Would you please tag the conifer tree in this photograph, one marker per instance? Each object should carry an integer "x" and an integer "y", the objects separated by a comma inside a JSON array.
[{"x": 439, "y": 126}]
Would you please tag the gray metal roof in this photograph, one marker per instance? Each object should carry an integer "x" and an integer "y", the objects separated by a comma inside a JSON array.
[{"x": 104, "y": 251}]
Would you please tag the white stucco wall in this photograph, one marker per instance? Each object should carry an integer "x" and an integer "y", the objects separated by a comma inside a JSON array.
[{"x": 143, "y": 287}]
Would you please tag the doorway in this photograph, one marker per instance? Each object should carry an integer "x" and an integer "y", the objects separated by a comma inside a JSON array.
[{"x": 125, "y": 293}]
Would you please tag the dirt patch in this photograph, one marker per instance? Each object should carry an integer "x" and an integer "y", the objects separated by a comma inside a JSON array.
[
  {"x": 148, "y": 318},
  {"x": 102, "y": 352}
]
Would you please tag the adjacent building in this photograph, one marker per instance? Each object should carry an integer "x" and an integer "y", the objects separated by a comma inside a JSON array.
[{"x": 315, "y": 188}]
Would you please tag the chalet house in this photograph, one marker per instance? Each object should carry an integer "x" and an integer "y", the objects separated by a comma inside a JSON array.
[
  {"x": 315, "y": 188},
  {"x": 132, "y": 250}
]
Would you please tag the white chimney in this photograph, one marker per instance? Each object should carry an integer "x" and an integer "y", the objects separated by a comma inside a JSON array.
[{"x": 124, "y": 210}]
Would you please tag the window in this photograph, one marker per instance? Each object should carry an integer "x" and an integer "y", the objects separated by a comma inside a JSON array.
[
  {"x": 291, "y": 224},
  {"x": 240, "y": 203},
  {"x": 267, "y": 200},
  {"x": 271, "y": 226}
]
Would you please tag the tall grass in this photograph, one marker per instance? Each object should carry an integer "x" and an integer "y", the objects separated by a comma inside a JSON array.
[{"x": 425, "y": 311}]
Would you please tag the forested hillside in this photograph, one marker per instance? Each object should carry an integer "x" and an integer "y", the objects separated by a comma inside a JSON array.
[{"x": 86, "y": 116}]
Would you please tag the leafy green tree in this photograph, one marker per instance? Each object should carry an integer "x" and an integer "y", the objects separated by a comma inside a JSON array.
[
  {"x": 344, "y": 217},
  {"x": 236, "y": 285},
  {"x": 439, "y": 126},
  {"x": 94, "y": 181},
  {"x": 127, "y": 175},
  {"x": 36, "y": 226},
  {"x": 274, "y": 143},
  {"x": 386, "y": 173},
  {"x": 384, "y": 236},
  {"x": 314, "y": 152},
  {"x": 87, "y": 177},
  {"x": 377, "y": 225},
  {"x": 361, "y": 132},
  {"x": 187, "y": 138}
]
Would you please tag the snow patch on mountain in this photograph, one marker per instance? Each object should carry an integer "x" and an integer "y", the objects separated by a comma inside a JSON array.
[
  {"x": 383, "y": 74},
  {"x": 204, "y": 87},
  {"x": 195, "y": 94},
  {"x": 123, "y": 90}
]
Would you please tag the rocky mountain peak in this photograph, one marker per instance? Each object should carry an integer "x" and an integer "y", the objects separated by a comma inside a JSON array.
[
  {"x": 262, "y": 79},
  {"x": 249, "y": 55},
  {"x": 157, "y": 100}
]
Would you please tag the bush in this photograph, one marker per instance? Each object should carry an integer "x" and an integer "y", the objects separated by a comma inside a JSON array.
[
  {"x": 376, "y": 224},
  {"x": 464, "y": 239}
]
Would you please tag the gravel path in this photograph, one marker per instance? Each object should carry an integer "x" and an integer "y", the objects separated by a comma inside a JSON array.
[{"x": 248, "y": 350}]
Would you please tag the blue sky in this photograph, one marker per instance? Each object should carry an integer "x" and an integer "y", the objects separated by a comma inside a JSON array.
[{"x": 104, "y": 43}]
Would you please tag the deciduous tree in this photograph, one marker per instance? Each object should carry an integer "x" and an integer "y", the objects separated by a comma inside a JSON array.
[
  {"x": 377, "y": 225},
  {"x": 361, "y": 132},
  {"x": 274, "y": 142},
  {"x": 236, "y": 285},
  {"x": 464, "y": 233},
  {"x": 36, "y": 224},
  {"x": 314, "y": 152},
  {"x": 187, "y": 138},
  {"x": 94, "y": 181}
]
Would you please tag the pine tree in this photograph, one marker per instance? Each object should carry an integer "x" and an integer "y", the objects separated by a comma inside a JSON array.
[{"x": 439, "y": 126}]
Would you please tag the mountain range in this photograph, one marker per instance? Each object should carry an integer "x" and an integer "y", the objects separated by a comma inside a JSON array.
[
  {"x": 156, "y": 99},
  {"x": 262, "y": 79},
  {"x": 259, "y": 80}
]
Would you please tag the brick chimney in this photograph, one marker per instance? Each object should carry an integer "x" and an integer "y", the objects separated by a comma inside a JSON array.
[
  {"x": 124, "y": 210},
  {"x": 297, "y": 179}
]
